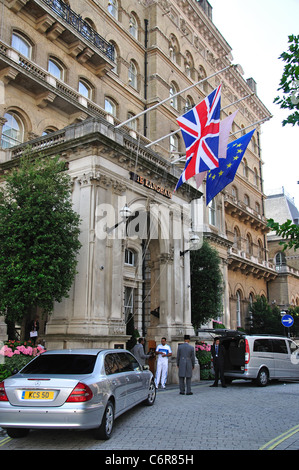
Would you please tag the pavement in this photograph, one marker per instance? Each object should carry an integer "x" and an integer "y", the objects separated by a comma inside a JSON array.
[{"x": 240, "y": 417}]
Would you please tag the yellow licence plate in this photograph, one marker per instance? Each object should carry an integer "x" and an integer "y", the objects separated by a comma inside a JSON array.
[{"x": 37, "y": 395}]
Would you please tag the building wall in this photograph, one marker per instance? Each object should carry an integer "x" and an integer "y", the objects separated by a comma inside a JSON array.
[{"x": 176, "y": 46}]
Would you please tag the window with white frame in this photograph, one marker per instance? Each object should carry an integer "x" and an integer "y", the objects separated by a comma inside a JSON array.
[
  {"x": 85, "y": 89},
  {"x": 56, "y": 68},
  {"x": 133, "y": 26},
  {"x": 174, "y": 99},
  {"x": 173, "y": 143},
  {"x": 129, "y": 257},
  {"x": 212, "y": 212},
  {"x": 21, "y": 44},
  {"x": 110, "y": 106},
  {"x": 133, "y": 75},
  {"x": 113, "y": 8},
  {"x": 128, "y": 303},
  {"x": 12, "y": 130}
]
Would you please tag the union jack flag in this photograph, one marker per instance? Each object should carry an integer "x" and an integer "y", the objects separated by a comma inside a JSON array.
[{"x": 200, "y": 130}]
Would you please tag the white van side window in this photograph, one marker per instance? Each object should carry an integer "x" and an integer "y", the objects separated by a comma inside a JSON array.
[
  {"x": 279, "y": 346},
  {"x": 262, "y": 345}
]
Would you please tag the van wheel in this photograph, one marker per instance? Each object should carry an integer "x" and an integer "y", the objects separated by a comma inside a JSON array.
[
  {"x": 17, "y": 432},
  {"x": 105, "y": 430},
  {"x": 263, "y": 378}
]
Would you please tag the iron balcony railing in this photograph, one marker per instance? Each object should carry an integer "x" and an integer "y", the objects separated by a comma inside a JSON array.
[{"x": 81, "y": 26}]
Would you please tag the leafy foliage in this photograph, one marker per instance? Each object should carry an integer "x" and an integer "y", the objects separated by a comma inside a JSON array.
[
  {"x": 206, "y": 285},
  {"x": 39, "y": 237},
  {"x": 289, "y": 83},
  {"x": 288, "y": 231},
  {"x": 264, "y": 318}
]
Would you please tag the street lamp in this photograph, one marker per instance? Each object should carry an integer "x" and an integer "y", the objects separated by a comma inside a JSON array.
[
  {"x": 125, "y": 212},
  {"x": 194, "y": 244}
]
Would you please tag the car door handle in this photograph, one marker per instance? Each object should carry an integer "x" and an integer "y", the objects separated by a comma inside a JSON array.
[{"x": 128, "y": 379}]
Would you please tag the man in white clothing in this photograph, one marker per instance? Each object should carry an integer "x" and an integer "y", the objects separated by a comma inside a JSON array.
[{"x": 163, "y": 352}]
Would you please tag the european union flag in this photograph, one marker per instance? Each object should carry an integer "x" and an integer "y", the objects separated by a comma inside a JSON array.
[{"x": 220, "y": 177}]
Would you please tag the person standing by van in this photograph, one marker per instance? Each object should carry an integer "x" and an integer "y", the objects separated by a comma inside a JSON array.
[{"x": 218, "y": 354}]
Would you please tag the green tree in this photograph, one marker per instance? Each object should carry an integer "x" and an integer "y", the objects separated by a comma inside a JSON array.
[
  {"x": 289, "y": 83},
  {"x": 264, "y": 318},
  {"x": 39, "y": 237},
  {"x": 288, "y": 231},
  {"x": 206, "y": 285}
]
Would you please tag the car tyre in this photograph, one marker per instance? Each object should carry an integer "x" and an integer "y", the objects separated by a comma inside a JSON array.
[
  {"x": 262, "y": 378},
  {"x": 151, "y": 397},
  {"x": 104, "y": 431},
  {"x": 17, "y": 432}
]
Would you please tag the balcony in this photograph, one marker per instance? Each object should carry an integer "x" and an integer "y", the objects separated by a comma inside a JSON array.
[
  {"x": 60, "y": 23},
  {"x": 247, "y": 264},
  {"x": 47, "y": 89},
  {"x": 245, "y": 214}
]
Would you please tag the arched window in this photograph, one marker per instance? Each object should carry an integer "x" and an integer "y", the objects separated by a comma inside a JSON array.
[
  {"x": 238, "y": 308},
  {"x": 113, "y": 8},
  {"x": 115, "y": 56},
  {"x": 280, "y": 261},
  {"x": 49, "y": 130},
  {"x": 260, "y": 251},
  {"x": 133, "y": 124},
  {"x": 110, "y": 106},
  {"x": 21, "y": 44},
  {"x": 245, "y": 168},
  {"x": 133, "y": 75},
  {"x": 85, "y": 89},
  {"x": 56, "y": 68},
  {"x": 212, "y": 212},
  {"x": 130, "y": 257},
  {"x": 189, "y": 65},
  {"x": 172, "y": 91},
  {"x": 173, "y": 143},
  {"x": 234, "y": 192},
  {"x": 174, "y": 49},
  {"x": 248, "y": 244},
  {"x": 12, "y": 131},
  {"x": 246, "y": 199},
  {"x": 256, "y": 177},
  {"x": 133, "y": 26},
  {"x": 237, "y": 239},
  {"x": 189, "y": 104}
]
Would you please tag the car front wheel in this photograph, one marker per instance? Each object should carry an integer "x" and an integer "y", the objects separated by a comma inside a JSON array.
[
  {"x": 151, "y": 397},
  {"x": 105, "y": 430}
]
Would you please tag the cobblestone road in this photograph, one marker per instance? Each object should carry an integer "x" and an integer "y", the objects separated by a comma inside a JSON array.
[{"x": 240, "y": 417}]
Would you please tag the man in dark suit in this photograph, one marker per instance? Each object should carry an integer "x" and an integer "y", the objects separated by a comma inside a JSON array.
[
  {"x": 185, "y": 363},
  {"x": 218, "y": 354}
]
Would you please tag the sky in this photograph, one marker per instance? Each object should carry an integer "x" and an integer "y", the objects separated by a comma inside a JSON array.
[{"x": 257, "y": 31}]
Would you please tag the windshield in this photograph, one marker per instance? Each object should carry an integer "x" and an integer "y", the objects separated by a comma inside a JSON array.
[{"x": 65, "y": 364}]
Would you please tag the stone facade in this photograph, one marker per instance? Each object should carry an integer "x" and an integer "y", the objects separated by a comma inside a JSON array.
[
  {"x": 284, "y": 290},
  {"x": 72, "y": 73}
]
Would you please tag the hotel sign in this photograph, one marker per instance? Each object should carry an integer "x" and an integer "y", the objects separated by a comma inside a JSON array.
[{"x": 149, "y": 184}]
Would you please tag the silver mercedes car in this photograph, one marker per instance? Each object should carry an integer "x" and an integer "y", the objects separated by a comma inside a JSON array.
[{"x": 74, "y": 389}]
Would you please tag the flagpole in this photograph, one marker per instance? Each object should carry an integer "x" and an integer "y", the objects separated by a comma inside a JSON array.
[
  {"x": 238, "y": 101},
  {"x": 178, "y": 130},
  {"x": 241, "y": 130},
  {"x": 173, "y": 96},
  {"x": 251, "y": 125}
]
